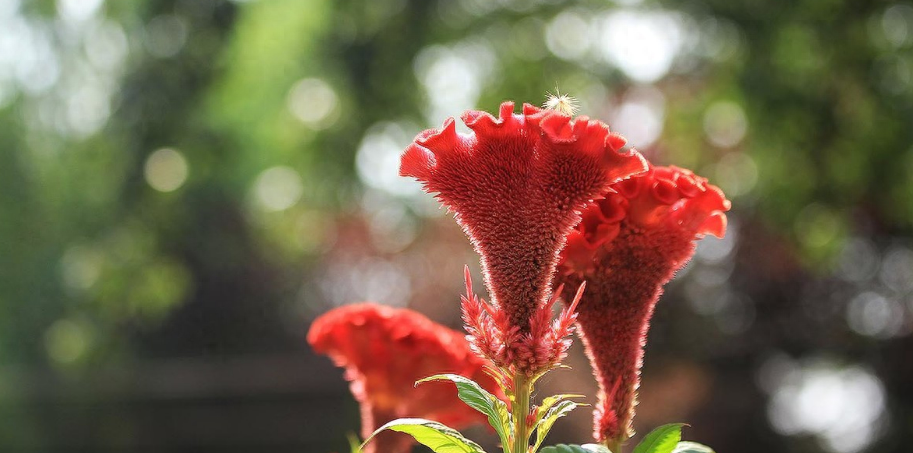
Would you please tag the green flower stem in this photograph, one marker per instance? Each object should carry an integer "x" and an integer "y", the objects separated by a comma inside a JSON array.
[
  {"x": 614, "y": 445},
  {"x": 519, "y": 411}
]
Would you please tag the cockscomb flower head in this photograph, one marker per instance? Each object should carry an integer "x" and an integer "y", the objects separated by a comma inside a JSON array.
[
  {"x": 628, "y": 245},
  {"x": 384, "y": 351},
  {"x": 516, "y": 184}
]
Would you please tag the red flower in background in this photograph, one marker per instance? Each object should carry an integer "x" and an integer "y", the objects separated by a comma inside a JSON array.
[
  {"x": 384, "y": 350},
  {"x": 516, "y": 186},
  {"x": 627, "y": 246}
]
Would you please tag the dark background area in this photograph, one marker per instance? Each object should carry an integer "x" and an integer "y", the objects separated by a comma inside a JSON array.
[{"x": 186, "y": 184}]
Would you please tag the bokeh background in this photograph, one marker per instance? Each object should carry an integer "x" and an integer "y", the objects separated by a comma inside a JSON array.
[{"x": 186, "y": 184}]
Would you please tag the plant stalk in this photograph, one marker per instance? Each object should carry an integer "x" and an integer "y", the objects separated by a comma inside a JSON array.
[
  {"x": 614, "y": 445},
  {"x": 519, "y": 411}
]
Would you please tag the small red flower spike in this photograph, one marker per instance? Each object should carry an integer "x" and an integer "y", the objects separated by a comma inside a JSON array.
[
  {"x": 627, "y": 246},
  {"x": 532, "y": 353},
  {"x": 384, "y": 350},
  {"x": 516, "y": 185}
]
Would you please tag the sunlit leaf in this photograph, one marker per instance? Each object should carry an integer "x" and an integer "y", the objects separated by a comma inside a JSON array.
[
  {"x": 692, "y": 447},
  {"x": 436, "y": 436},
  {"x": 586, "y": 448},
  {"x": 661, "y": 440},
  {"x": 550, "y": 401},
  {"x": 557, "y": 409},
  {"x": 476, "y": 397}
]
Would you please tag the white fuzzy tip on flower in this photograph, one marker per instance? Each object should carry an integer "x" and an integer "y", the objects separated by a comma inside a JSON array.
[{"x": 561, "y": 102}]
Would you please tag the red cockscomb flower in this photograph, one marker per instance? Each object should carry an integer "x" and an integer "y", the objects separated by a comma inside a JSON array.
[
  {"x": 516, "y": 185},
  {"x": 384, "y": 351},
  {"x": 627, "y": 246}
]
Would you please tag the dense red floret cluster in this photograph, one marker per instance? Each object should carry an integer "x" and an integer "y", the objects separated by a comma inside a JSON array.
[
  {"x": 384, "y": 350},
  {"x": 627, "y": 246},
  {"x": 532, "y": 352},
  {"x": 516, "y": 185}
]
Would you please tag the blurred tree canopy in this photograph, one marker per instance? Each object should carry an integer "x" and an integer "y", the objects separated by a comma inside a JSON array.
[{"x": 199, "y": 178}]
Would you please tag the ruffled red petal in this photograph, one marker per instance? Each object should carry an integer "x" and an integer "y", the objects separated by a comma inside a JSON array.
[
  {"x": 516, "y": 185},
  {"x": 667, "y": 198},
  {"x": 384, "y": 350}
]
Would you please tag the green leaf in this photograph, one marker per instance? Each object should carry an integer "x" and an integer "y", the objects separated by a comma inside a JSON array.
[
  {"x": 476, "y": 397},
  {"x": 661, "y": 440},
  {"x": 692, "y": 447},
  {"x": 354, "y": 443},
  {"x": 436, "y": 436},
  {"x": 547, "y": 403},
  {"x": 557, "y": 409},
  {"x": 586, "y": 448}
]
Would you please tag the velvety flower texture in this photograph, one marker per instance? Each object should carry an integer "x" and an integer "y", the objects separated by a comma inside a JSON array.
[
  {"x": 627, "y": 246},
  {"x": 384, "y": 351},
  {"x": 516, "y": 185}
]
